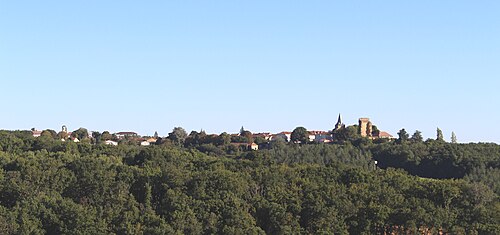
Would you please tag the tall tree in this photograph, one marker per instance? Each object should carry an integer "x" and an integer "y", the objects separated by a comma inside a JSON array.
[
  {"x": 96, "y": 137},
  {"x": 375, "y": 130},
  {"x": 453, "y": 138},
  {"x": 178, "y": 135},
  {"x": 193, "y": 139},
  {"x": 106, "y": 136},
  {"x": 300, "y": 135},
  {"x": 417, "y": 136},
  {"x": 224, "y": 139},
  {"x": 439, "y": 135},
  {"x": 403, "y": 136}
]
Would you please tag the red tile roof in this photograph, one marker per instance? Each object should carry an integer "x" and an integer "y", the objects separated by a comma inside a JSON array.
[
  {"x": 318, "y": 132},
  {"x": 126, "y": 133},
  {"x": 383, "y": 134}
]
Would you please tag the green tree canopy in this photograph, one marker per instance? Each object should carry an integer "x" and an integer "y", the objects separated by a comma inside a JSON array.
[
  {"x": 248, "y": 136},
  {"x": 300, "y": 135},
  {"x": 49, "y": 186},
  {"x": 49, "y": 133},
  {"x": 350, "y": 133},
  {"x": 106, "y": 136},
  {"x": 80, "y": 133},
  {"x": 96, "y": 137},
  {"x": 224, "y": 139},
  {"x": 417, "y": 137},
  {"x": 403, "y": 136},
  {"x": 178, "y": 135}
]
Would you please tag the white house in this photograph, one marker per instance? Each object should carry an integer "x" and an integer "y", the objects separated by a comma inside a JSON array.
[
  {"x": 254, "y": 146},
  {"x": 151, "y": 140},
  {"x": 125, "y": 134},
  {"x": 319, "y": 136},
  {"x": 110, "y": 142}
]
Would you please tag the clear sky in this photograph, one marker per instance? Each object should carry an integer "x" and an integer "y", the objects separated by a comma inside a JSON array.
[{"x": 269, "y": 66}]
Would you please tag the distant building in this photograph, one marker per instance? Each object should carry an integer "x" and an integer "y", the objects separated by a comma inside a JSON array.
[
  {"x": 339, "y": 124},
  {"x": 110, "y": 142},
  {"x": 365, "y": 127},
  {"x": 266, "y": 136},
  {"x": 383, "y": 135},
  {"x": 323, "y": 137},
  {"x": 367, "y": 130},
  {"x": 126, "y": 134},
  {"x": 286, "y": 135},
  {"x": 36, "y": 133},
  {"x": 252, "y": 146},
  {"x": 317, "y": 135},
  {"x": 145, "y": 143}
]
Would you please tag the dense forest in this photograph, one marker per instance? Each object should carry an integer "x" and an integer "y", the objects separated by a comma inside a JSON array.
[{"x": 206, "y": 184}]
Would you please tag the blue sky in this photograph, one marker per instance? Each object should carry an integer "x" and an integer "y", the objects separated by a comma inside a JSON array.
[{"x": 148, "y": 66}]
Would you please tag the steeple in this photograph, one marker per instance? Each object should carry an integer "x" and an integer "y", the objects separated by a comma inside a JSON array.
[{"x": 339, "y": 123}]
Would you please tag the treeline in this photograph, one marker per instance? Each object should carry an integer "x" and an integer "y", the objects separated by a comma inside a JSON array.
[
  {"x": 54, "y": 187},
  {"x": 439, "y": 160}
]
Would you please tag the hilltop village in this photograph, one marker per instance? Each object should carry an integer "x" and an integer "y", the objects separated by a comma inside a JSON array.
[
  {"x": 244, "y": 140},
  {"x": 353, "y": 179}
]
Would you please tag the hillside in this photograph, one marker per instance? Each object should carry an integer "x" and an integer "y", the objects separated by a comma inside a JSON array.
[{"x": 53, "y": 187}]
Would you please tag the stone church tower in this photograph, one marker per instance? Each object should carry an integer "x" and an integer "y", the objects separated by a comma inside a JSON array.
[{"x": 365, "y": 127}]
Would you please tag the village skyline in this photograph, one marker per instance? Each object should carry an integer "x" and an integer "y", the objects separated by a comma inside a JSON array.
[
  {"x": 335, "y": 126},
  {"x": 364, "y": 128}
]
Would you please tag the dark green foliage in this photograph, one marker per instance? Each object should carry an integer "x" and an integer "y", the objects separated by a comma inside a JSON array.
[
  {"x": 350, "y": 133},
  {"x": 49, "y": 133},
  {"x": 403, "y": 136},
  {"x": 299, "y": 135},
  {"x": 178, "y": 135},
  {"x": 106, "y": 136},
  {"x": 205, "y": 187},
  {"x": 81, "y": 133},
  {"x": 417, "y": 137},
  {"x": 439, "y": 135},
  {"x": 437, "y": 159}
]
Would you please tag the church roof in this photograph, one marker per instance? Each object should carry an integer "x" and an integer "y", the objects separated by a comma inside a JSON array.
[{"x": 339, "y": 120}]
